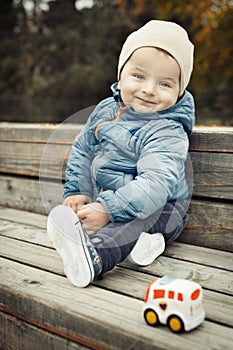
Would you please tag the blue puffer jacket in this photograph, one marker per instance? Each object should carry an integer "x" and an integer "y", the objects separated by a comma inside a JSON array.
[{"x": 132, "y": 164}]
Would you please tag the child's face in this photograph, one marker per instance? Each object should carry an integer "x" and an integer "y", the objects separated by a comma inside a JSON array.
[{"x": 149, "y": 81}]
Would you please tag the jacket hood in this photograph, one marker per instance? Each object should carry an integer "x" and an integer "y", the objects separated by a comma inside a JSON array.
[{"x": 183, "y": 111}]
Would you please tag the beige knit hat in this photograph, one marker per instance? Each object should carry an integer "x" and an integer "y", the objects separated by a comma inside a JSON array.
[{"x": 165, "y": 35}]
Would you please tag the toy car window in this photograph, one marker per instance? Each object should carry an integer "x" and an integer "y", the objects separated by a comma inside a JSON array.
[
  {"x": 180, "y": 296},
  {"x": 195, "y": 294},
  {"x": 159, "y": 293},
  {"x": 171, "y": 294}
]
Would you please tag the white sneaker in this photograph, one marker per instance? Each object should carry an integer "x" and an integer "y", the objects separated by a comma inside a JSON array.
[
  {"x": 82, "y": 264},
  {"x": 147, "y": 249}
]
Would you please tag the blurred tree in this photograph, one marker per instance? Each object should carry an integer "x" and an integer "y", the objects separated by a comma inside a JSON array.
[
  {"x": 10, "y": 73},
  {"x": 84, "y": 51},
  {"x": 67, "y": 58},
  {"x": 56, "y": 60}
]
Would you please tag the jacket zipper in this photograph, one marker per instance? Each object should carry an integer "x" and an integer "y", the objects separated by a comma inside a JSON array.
[{"x": 118, "y": 116}]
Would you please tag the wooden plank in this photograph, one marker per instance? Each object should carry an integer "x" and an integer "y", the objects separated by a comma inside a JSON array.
[
  {"x": 181, "y": 251},
  {"x": 133, "y": 283},
  {"x": 23, "y": 217},
  {"x": 30, "y": 254},
  {"x": 30, "y": 294},
  {"x": 213, "y": 174},
  {"x": 212, "y": 139},
  {"x": 212, "y": 171},
  {"x": 24, "y": 233},
  {"x": 208, "y": 277},
  {"x": 213, "y": 304},
  {"x": 200, "y": 255},
  {"x": 210, "y": 225},
  {"x": 128, "y": 282},
  {"x": 47, "y": 157},
  {"x": 39, "y": 133},
  {"x": 216, "y": 139},
  {"x": 48, "y": 259},
  {"x": 125, "y": 281},
  {"x": 16, "y": 334},
  {"x": 30, "y": 194},
  {"x": 45, "y": 160}
]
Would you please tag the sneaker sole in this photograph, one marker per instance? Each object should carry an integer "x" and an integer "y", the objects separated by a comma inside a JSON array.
[{"x": 66, "y": 233}]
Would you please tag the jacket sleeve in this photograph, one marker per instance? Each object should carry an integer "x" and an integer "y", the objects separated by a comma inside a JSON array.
[
  {"x": 78, "y": 170},
  {"x": 160, "y": 177}
]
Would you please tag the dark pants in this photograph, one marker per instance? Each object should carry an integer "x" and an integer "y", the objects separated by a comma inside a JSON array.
[{"x": 115, "y": 241}]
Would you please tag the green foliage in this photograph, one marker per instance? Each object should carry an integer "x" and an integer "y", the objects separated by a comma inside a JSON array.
[{"x": 55, "y": 62}]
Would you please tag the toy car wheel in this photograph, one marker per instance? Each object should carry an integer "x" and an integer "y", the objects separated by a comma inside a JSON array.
[
  {"x": 175, "y": 324},
  {"x": 151, "y": 317}
]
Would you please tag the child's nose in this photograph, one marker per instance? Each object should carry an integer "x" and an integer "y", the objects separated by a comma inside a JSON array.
[{"x": 149, "y": 88}]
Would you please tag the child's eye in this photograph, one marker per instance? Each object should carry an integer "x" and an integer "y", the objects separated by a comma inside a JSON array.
[
  {"x": 138, "y": 76},
  {"x": 164, "y": 84}
]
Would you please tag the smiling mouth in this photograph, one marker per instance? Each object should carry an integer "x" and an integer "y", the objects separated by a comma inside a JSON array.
[{"x": 146, "y": 101}]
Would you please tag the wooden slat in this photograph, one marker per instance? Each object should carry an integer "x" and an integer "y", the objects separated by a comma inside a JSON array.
[
  {"x": 212, "y": 139},
  {"x": 47, "y": 259},
  {"x": 16, "y": 334},
  {"x": 32, "y": 159},
  {"x": 127, "y": 280},
  {"x": 210, "y": 225},
  {"x": 31, "y": 267},
  {"x": 23, "y": 217},
  {"x": 30, "y": 254},
  {"x": 212, "y": 171},
  {"x": 27, "y": 150},
  {"x": 213, "y": 174},
  {"x": 206, "y": 276},
  {"x": 30, "y": 194},
  {"x": 218, "y": 306},
  {"x": 39, "y": 133},
  {"x": 28, "y": 292},
  {"x": 25, "y": 233},
  {"x": 200, "y": 255},
  {"x": 181, "y": 251}
]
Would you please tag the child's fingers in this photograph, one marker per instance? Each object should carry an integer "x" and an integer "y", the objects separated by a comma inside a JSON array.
[{"x": 82, "y": 213}]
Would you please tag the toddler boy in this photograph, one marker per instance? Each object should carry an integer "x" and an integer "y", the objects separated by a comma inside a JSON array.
[{"x": 126, "y": 192}]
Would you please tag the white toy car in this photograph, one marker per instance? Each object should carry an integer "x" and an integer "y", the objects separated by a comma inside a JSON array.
[{"x": 175, "y": 302}]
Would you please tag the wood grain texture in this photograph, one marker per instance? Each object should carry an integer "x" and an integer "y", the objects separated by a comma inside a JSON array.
[
  {"x": 213, "y": 174},
  {"x": 212, "y": 139},
  {"x": 33, "y": 250},
  {"x": 39, "y": 308},
  {"x": 210, "y": 223},
  {"x": 42, "y": 151},
  {"x": 29, "y": 293},
  {"x": 34, "y": 195},
  {"x": 49, "y": 260},
  {"x": 16, "y": 334}
]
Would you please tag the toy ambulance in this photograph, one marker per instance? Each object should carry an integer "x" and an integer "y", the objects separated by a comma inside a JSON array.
[{"x": 175, "y": 302}]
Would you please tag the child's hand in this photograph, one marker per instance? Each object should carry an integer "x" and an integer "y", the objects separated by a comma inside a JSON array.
[
  {"x": 76, "y": 201},
  {"x": 93, "y": 216}
]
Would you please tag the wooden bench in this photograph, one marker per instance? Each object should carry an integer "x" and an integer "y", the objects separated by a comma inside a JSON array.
[{"x": 40, "y": 309}]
